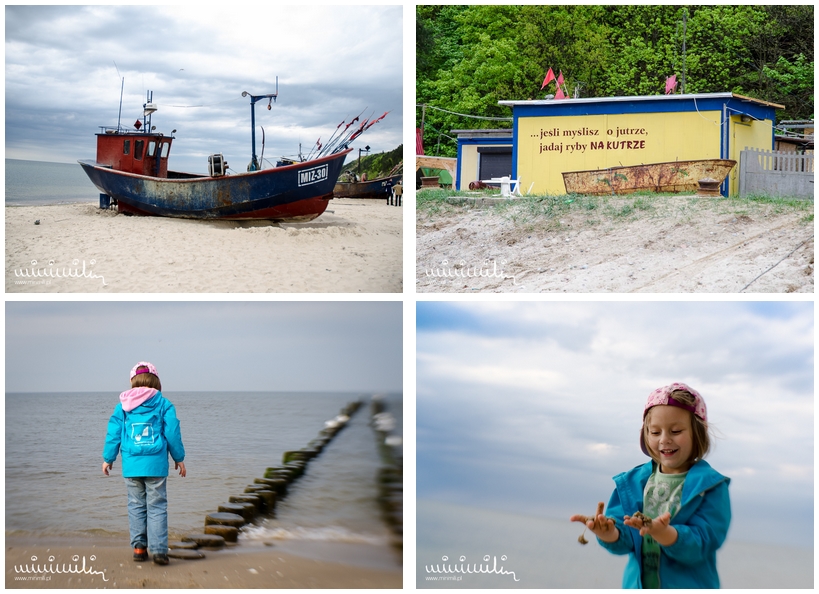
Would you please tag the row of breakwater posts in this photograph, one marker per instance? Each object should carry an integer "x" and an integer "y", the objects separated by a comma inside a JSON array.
[
  {"x": 391, "y": 471},
  {"x": 259, "y": 499}
]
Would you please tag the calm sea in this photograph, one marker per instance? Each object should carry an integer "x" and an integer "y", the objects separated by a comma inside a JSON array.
[
  {"x": 54, "y": 483},
  {"x": 35, "y": 183},
  {"x": 544, "y": 553}
]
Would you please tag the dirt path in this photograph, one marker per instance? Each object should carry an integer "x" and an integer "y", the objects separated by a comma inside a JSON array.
[{"x": 679, "y": 244}]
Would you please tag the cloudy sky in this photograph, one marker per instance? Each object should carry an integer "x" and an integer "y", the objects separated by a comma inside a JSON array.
[
  {"x": 64, "y": 66},
  {"x": 278, "y": 346},
  {"x": 533, "y": 407}
]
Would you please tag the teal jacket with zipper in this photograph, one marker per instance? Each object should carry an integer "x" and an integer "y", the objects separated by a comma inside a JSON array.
[
  {"x": 145, "y": 428},
  {"x": 702, "y": 525}
]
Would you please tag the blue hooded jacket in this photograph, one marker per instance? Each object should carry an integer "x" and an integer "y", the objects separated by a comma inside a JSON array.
[
  {"x": 145, "y": 434},
  {"x": 702, "y": 525}
]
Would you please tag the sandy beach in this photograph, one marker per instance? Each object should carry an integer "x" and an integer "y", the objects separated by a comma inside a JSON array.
[
  {"x": 106, "y": 563},
  {"x": 672, "y": 244},
  {"x": 354, "y": 247}
]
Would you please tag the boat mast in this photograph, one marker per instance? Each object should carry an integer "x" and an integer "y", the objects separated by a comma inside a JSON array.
[{"x": 254, "y": 164}]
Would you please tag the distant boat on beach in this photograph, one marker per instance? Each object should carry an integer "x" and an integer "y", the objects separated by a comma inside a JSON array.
[
  {"x": 375, "y": 188},
  {"x": 380, "y": 187},
  {"x": 131, "y": 170}
]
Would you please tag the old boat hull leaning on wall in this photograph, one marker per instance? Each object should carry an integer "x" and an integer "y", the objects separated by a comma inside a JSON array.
[{"x": 675, "y": 176}]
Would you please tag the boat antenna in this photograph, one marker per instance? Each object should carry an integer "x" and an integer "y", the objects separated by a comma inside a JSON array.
[
  {"x": 148, "y": 109},
  {"x": 121, "y": 90},
  {"x": 254, "y": 164}
]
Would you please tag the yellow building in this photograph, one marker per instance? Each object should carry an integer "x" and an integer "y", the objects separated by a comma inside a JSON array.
[{"x": 550, "y": 137}]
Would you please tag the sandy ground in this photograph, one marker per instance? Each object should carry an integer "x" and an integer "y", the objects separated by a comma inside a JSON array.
[
  {"x": 103, "y": 564},
  {"x": 356, "y": 248},
  {"x": 680, "y": 244}
]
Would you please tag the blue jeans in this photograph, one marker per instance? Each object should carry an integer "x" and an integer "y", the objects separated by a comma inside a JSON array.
[{"x": 148, "y": 513}]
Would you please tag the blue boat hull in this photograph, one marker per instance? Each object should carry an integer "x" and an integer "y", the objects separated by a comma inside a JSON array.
[{"x": 298, "y": 192}]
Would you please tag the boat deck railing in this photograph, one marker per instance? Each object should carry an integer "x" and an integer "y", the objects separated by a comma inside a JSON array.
[{"x": 120, "y": 130}]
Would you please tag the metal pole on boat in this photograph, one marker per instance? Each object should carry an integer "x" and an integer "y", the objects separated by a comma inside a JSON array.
[{"x": 254, "y": 163}]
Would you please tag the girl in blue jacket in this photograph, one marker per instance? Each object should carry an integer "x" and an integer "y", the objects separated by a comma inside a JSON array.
[
  {"x": 675, "y": 509},
  {"x": 145, "y": 428}
]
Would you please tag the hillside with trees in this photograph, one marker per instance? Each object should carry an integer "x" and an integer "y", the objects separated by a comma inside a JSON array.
[
  {"x": 470, "y": 57},
  {"x": 375, "y": 166}
]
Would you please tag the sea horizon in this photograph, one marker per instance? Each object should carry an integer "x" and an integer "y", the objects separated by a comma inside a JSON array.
[{"x": 42, "y": 183}]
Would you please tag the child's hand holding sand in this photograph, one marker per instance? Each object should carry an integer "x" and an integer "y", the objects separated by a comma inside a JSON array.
[{"x": 602, "y": 526}]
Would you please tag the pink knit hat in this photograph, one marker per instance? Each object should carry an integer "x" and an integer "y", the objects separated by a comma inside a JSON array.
[
  {"x": 150, "y": 369},
  {"x": 663, "y": 396}
]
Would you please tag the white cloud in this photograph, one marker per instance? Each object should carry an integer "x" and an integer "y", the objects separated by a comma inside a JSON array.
[{"x": 62, "y": 82}]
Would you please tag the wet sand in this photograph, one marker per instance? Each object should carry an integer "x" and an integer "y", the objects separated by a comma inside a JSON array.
[
  {"x": 107, "y": 563},
  {"x": 79, "y": 248}
]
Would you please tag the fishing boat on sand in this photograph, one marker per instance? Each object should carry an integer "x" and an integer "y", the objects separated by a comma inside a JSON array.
[
  {"x": 380, "y": 187},
  {"x": 350, "y": 186},
  {"x": 131, "y": 169},
  {"x": 675, "y": 176}
]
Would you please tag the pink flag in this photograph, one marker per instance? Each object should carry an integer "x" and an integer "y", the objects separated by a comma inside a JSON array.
[
  {"x": 670, "y": 83},
  {"x": 560, "y": 79},
  {"x": 559, "y": 94},
  {"x": 550, "y": 76}
]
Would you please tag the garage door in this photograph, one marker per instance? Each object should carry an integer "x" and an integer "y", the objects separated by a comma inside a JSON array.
[{"x": 495, "y": 162}]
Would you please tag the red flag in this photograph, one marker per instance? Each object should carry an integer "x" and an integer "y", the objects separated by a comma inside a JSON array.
[
  {"x": 550, "y": 76},
  {"x": 560, "y": 79},
  {"x": 419, "y": 142},
  {"x": 670, "y": 83},
  {"x": 559, "y": 94}
]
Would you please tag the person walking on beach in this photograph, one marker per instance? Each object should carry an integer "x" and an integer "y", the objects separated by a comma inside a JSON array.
[
  {"x": 679, "y": 506},
  {"x": 145, "y": 428}
]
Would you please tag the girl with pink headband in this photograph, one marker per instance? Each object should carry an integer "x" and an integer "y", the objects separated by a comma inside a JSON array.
[
  {"x": 145, "y": 428},
  {"x": 671, "y": 514}
]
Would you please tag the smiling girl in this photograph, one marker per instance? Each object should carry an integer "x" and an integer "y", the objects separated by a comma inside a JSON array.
[{"x": 687, "y": 499}]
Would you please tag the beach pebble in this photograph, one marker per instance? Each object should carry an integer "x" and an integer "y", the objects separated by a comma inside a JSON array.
[{"x": 185, "y": 554}]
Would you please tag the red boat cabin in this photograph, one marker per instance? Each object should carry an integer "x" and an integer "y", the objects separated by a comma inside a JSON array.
[{"x": 134, "y": 152}]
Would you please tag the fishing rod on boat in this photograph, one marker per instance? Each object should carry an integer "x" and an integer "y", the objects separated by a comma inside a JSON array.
[
  {"x": 347, "y": 137},
  {"x": 317, "y": 147},
  {"x": 254, "y": 164},
  {"x": 343, "y": 140},
  {"x": 333, "y": 139}
]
